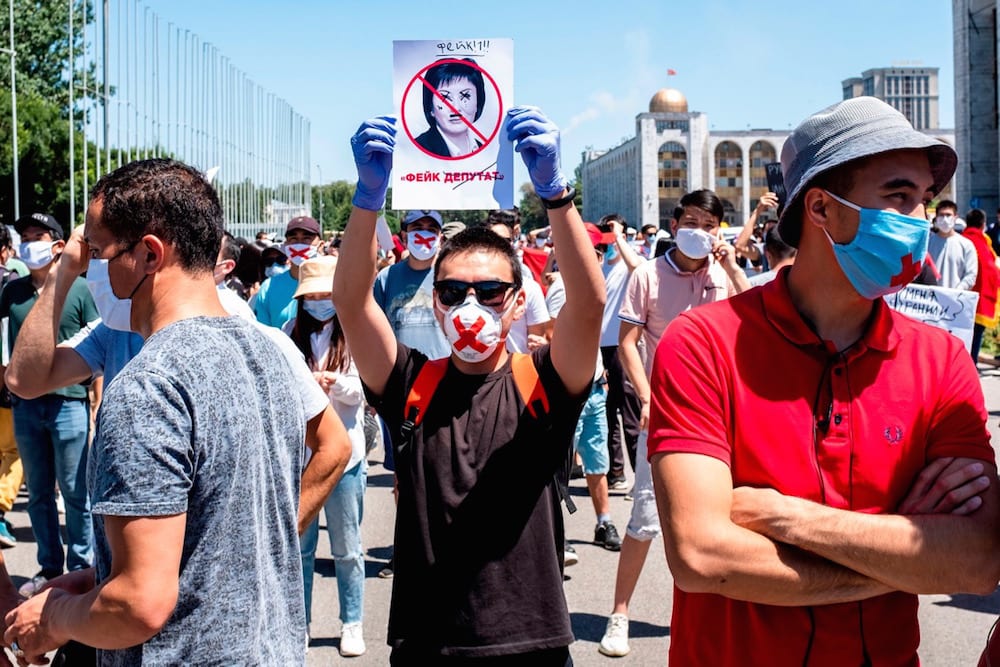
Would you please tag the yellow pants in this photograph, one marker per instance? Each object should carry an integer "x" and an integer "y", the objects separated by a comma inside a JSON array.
[{"x": 11, "y": 473}]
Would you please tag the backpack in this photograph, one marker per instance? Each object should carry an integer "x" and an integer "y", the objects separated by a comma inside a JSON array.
[{"x": 528, "y": 384}]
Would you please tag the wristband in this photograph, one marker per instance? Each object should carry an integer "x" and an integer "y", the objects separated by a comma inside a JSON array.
[{"x": 559, "y": 203}]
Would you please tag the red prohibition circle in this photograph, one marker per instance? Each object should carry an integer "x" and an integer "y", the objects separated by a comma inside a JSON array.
[{"x": 417, "y": 79}]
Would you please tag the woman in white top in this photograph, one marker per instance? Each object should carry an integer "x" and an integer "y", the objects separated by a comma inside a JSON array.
[{"x": 316, "y": 332}]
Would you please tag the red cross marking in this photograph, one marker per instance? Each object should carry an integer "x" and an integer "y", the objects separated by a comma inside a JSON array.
[
  {"x": 467, "y": 337},
  {"x": 304, "y": 254},
  {"x": 909, "y": 271},
  {"x": 426, "y": 241}
]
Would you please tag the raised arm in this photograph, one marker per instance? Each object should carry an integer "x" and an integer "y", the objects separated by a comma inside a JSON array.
[
  {"x": 743, "y": 244},
  {"x": 577, "y": 330},
  {"x": 368, "y": 333},
  {"x": 631, "y": 258},
  {"x": 37, "y": 365}
]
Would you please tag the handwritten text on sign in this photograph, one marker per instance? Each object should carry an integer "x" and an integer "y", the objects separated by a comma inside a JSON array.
[{"x": 949, "y": 309}]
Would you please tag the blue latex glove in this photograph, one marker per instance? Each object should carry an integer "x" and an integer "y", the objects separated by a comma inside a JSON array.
[
  {"x": 537, "y": 140},
  {"x": 372, "y": 145}
]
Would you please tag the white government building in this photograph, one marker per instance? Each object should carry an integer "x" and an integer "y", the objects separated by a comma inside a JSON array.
[{"x": 672, "y": 153}]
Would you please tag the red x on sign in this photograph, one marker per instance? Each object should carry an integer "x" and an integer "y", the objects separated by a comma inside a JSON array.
[{"x": 467, "y": 336}]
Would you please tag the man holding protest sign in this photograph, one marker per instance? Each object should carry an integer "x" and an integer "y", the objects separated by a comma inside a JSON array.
[
  {"x": 801, "y": 512},
  {"x": 479, "y": 532}
]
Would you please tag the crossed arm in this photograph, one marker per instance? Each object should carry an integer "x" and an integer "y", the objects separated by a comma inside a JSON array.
[{"x": 761, "y": 546}]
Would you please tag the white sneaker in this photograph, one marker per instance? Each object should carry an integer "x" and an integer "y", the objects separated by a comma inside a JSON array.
[
  {"x": 352, "y": 643},
  {"x": 614, "y": 643}
]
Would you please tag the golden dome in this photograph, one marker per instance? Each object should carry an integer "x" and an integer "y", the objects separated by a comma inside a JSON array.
[{"x": 668, "y": 100}]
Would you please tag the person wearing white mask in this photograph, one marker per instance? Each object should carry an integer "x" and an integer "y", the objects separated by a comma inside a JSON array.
[
  {"x": 274, "y": 304},
  {"x": 479, "y": 531},
  {"x": 404, "y": 290},
  {"x": 52, "y": 430},
  {"x": 955, "y": 261},
  {"x": 701, "y": 269}
]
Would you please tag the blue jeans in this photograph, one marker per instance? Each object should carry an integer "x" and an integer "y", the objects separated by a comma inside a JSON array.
[
  {"x": 591, "y": 437},
  {"x": 344, "y": 508},
  {"x": 51, "y": 433}
]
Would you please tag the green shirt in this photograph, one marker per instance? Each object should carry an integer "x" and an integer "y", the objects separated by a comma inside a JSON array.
[{"x": 20, "y": 295}]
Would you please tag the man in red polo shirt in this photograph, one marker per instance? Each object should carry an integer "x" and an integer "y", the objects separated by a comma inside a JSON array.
[{"x": 803, "y": 490}]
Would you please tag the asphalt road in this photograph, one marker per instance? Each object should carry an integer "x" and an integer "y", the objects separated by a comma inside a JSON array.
[{"x": 954, "y": 628}]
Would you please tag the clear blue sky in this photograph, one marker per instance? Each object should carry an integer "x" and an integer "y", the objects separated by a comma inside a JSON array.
[{"x": 591, "y": 65}]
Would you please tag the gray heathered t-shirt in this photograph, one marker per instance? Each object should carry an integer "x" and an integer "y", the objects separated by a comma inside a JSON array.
[{"x": 206, "y": 420}]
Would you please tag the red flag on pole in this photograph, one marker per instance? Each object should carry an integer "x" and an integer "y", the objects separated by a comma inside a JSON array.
[{"x": 671, "y": 72}]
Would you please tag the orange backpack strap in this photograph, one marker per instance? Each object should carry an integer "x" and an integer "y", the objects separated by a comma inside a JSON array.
[
  {"x": 421, "y": 393},
  {"x": 528, "y": 384}
]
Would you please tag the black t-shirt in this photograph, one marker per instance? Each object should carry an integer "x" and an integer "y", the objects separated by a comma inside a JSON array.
[{"x": 479, "y": 529}]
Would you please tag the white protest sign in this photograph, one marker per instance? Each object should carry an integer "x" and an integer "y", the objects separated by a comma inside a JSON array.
[
  {"x": 950, "y": 309},
  {"x": 451, "y": 96}
]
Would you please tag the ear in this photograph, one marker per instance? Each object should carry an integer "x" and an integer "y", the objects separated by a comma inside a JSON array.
[
  {"x": 155, "y": 255},
  {"x": 673, "y": 229},
  {"x": 520, "y": 305},
  {"x": 816, "y": 206}
]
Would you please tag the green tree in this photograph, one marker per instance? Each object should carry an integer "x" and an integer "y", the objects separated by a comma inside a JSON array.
[{"x": 41, "y": 39}]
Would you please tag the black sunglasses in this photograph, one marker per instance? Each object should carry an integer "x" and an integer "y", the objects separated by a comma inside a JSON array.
[
  {"x": 271, "y": 261},
  {"x": 488, "y": 292}
]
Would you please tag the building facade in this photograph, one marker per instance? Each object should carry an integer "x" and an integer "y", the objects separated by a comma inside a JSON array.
[
  {"x": 672, "y": 153},
  {"x": 913, "y": 91},
  {"x": 976, "y": 135}
]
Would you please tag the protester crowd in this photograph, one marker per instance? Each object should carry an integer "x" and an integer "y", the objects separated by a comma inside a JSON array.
[{"x": 813, "y": 459}]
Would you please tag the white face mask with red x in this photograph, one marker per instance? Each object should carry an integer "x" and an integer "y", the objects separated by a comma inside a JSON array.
[
  {"x": 422, "y": 244},
  {"x": 473, "y": 330}
]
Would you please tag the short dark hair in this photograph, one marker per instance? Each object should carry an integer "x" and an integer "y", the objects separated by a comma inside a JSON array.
[
  {"x": 976, "y": 218},
  {"x": 707, "y": 201},
  {"x": 678, "y": 212},
  {"x": 774, "y": 244},
  {"x": 654, "y": 227},
  {"x": 613, "y": 217},
  {"x": 165, "y": 198},
  {"x": 947, "y": 203},
  {"x": 5, "y": 242},
  {"x": 475, "y": 239},
  {"x": 230, "y": 247},
  {"x": 510, "y": 217},
  {"x": 447, "y": 72}
]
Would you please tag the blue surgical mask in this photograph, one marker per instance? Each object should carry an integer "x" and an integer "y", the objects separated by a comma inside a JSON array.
[
  {"x": 611, "y": 253},
  {"x": 887, "y": 252},
  {"x": 275, "y": 269},
  {"x": 322, "y": 309}
]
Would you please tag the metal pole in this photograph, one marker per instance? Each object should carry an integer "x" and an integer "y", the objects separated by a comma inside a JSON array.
[
  {"x": 72, "y": 119},
  {"x": 13, "y": 113},
  {"x": 107, "y": 88},
  {"x": 320, "y": 170},
  {"x": 86, "y": 100}
]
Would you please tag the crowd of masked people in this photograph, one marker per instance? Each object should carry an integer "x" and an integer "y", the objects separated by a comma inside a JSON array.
[{"x": 597, "y": 350}]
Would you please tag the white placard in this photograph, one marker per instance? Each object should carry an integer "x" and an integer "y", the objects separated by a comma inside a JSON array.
[
  {"x": 451, "y": 96},
  {"x": 950, "y": 309}
]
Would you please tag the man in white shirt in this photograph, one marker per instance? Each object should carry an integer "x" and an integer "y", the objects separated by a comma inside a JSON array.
[{"x": 954, "y": 255}]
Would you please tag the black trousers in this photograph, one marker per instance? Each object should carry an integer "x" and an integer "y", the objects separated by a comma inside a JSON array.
[
  {"x": 622, "y": 400},
  {"x": 404, "y": 656}
]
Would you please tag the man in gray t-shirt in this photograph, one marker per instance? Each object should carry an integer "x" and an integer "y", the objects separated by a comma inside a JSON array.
[{"x": 196, "y": 460}]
